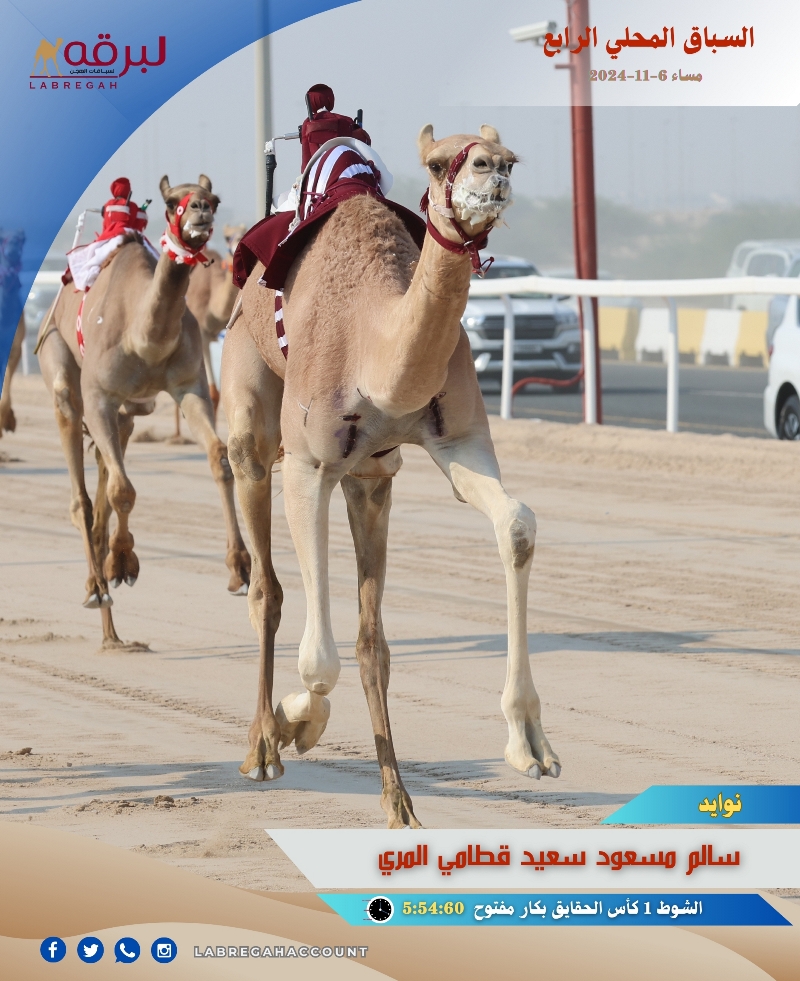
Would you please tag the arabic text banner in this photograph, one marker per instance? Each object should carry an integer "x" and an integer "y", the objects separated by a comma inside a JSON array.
[
  {"x": 546, "y": 858},
  {"x": 549, "y": 909}
]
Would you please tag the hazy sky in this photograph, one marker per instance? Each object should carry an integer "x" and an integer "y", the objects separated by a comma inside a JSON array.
[{"x": 400, "y": 63}]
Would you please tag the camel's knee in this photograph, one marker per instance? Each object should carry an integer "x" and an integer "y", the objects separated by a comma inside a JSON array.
[
  {"x": 80, "y": 511},
  {"x": 265, "y": 600},
  {"x": 121, "y": 494},
  {"x": 319, "y": 665},
  {"x": 245, "y": 457},
  {"x": 218, "y": 461},
  {"x": 516, "y": 534},
  {"x": 68, "y": 404}
]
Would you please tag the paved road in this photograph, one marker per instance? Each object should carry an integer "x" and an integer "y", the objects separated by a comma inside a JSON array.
[{"x": 712, "y": 400}]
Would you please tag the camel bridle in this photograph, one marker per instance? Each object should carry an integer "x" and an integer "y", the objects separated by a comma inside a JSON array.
[
  {"x": 183, "y": 253},
  {"x": 470, "y": 246}
]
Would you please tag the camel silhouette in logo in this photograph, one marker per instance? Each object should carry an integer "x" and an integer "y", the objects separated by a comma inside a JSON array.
[{"x": 47, "y": 52}]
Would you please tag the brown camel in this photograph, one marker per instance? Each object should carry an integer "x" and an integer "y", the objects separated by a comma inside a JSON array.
[
  {"x": 211, "y": 296},
  {"x": 139, "y": 340},
  {"x": 8, "y": 421},
  {"x": 377, "y": 358}
]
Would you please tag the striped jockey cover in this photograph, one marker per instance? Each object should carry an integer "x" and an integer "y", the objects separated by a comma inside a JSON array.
[{"x": 337, "y": 164}]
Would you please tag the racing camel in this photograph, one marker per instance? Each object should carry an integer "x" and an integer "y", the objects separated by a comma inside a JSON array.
[
  {"x": 377, "y": 357},
  {"x": 107, "y": 355}
]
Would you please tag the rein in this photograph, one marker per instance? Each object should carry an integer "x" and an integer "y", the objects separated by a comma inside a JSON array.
[
  {"x": 470, "y": 246},
  {"x": 183, "y": 254}
]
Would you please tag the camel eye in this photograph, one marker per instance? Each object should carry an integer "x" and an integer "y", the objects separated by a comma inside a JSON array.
[{"x": 435, "y": 169}]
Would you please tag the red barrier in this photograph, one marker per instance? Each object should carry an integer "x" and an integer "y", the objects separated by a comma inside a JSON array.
[{"x": 566, "y": 383}]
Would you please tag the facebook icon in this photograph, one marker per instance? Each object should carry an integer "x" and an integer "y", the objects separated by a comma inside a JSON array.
[{"x": 53, "y": 949}]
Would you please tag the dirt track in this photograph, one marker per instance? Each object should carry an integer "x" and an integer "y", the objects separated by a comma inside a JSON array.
[{"x": 663, "y": 619}]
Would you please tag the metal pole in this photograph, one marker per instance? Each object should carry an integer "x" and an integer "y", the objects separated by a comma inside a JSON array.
[
  {"x": 589, "y": 374},
  {"x": 508, "y": 357},
  {"x": 584, "y": 208},
  {"x": 673, "y": 368},
  {"x": 263, "y": 83}
]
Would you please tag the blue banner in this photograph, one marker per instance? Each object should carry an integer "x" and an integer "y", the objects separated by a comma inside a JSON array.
[
  {"x": 711, "y": 804},
  {"x": 78, "y": 79},
  {"x": 554, "y": 909}
]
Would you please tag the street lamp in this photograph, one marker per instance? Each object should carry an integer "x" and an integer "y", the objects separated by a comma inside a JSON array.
[{"x": 583, "y": 199}]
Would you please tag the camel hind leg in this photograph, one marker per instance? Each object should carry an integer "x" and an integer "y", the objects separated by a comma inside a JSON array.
[
  {"x": 368, "y": 505},
  {"x": 196, "y": 407},
  {"x": 62, "y": 376},
  {"x": 471, "y": 465}
]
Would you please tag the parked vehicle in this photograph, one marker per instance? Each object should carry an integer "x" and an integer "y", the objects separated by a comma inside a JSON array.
[
  {"x": 547, "y": 332},
  {"x": 782, "y": 394},
  {"x": 775, "y": 257}
]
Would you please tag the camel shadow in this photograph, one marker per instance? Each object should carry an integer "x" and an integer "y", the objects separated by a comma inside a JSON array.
[
  {"x": 641, "y": 641},
  {"x": 140, "y": 783}
]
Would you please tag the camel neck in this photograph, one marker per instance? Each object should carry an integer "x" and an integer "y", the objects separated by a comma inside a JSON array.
[
  {"x": 421, "y": 332},
  {"x": 157, "y": 330}
]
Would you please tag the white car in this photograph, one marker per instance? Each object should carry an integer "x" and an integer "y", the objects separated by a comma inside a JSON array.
[
  {"x": 781, "y": 401},
  {"x": 547, "y": 340},
  {"x": 772, "y": 257}
]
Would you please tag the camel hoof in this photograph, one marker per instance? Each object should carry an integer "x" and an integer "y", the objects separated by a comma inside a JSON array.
[
  {"x": 130, "y": 580},
  {"x": 241, "y": 591},
  {"x": 114, "y": 583},
  {"x": 535, "y": 772},
  {"x": 92, "y": 602},
  {"x": 257, "y": 774},
  {"x": 105, "y": 600},
  {"x": 272, "y": 772},
  {"x": 554, "y": 770}
]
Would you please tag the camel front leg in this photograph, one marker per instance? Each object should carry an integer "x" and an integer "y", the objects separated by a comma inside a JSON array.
[
  {"x": 199, "y": 415},
  {"x": 471, "y": 465},
  {"x": 110, "y": 432},
  {"x": 307, "y": 491},
  {"x": 368, "y": 504},
  {"x": 251, "y": 395},
  {"x": 8, "y": 420}
]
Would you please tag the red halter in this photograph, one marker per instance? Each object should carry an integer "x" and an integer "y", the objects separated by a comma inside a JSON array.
[
  {"x": 184, "y": 254},
  {"x": 470, "y": 245}
]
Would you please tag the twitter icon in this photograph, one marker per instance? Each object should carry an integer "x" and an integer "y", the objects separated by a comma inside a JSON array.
[
  {"x": 90, "y": 950},
  {"x": 127, "y": 950}
]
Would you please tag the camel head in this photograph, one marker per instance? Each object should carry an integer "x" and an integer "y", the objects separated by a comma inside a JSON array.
[
  {"x": 481, "y": 188},
  {"x": 196, "y": 222},
  {"x": 233, "y": 235}
]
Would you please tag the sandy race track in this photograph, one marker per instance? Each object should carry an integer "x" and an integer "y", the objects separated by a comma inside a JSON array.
[{"x": 663, "y": 620}]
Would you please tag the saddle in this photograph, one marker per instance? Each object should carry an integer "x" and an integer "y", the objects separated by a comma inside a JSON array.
[{"x": 338, "y": 163}]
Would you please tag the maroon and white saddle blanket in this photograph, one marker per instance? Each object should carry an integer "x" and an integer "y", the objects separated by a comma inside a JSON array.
[{"x": 340, "y": 169}]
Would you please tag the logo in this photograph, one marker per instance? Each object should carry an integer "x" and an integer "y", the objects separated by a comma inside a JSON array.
[
  {"x": 90, "y": 950},
  {"x": 53, "y": 949},
  {"x": 127, "y": 950},
  {"x": 164, "y": 950},
  {"x": 44, "y": 53},
  {"x": 105, "y": 61}
]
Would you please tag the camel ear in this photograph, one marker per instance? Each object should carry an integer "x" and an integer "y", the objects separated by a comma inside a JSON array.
[
  {"x": 489, "y": 133},
  {"x": 164, "y": 187},
  {"x": 424, "y": 140},
  {"x": 203, "y": 181}
]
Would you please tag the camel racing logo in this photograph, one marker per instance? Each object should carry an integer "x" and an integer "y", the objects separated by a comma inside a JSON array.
[{"x": 100, "y": 68}]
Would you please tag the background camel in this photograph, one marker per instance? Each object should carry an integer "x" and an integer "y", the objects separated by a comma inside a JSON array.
[
  {"x": 139, "y": 340},
  {"x": 47, "y": 52},
  {"x": 8, "y": 421},
  {"x": 211, "y": 296},
  {"x": 377, "y": 358}
]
